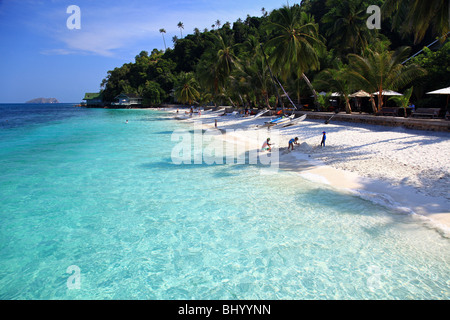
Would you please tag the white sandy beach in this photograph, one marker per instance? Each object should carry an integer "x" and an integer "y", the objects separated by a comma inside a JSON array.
[{"x": 404, "y": 169}]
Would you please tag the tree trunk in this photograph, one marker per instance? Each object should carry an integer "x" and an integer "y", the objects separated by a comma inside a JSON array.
[
  {"x": 374, "y": 107},
  {"x": 380, "y": 100},
  {"x": 266, "y": 96},
  {"x": 242, "y": 100},
  {"x": 312, "y": 89},
  {"x": 348, "y": 108}
]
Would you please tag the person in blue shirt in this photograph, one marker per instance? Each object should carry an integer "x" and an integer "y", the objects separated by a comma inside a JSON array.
[
  {"x": 324, "y": 137},
  {"x": 292, "y": 142}
]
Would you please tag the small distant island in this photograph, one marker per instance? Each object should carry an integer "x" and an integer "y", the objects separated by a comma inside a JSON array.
[{"x": 43, "y": 100}]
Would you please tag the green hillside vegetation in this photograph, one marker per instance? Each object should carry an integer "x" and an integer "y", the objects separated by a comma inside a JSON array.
[{"x": 320, "y": 45}]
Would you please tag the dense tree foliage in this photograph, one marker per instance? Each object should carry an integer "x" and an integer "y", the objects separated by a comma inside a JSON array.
[{"x": 268, "y": 61}]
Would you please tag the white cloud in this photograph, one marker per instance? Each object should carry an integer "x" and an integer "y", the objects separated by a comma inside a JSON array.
[{"x": 108, "y": 30}]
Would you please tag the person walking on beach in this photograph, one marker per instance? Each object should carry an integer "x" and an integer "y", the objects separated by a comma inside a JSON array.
[
  {"x": 324, "y": 137},
  {"x": 292, "y": 142}
]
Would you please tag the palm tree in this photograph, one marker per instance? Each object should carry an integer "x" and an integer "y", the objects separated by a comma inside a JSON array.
[
  {"x": 336, "y": 80},
  {"x": 294, "y": 44},
  {"x": 162, "y": 31},
  {"x": 255, "y": 77},
  {"x": 345, "y": 24},
  {"x": 403, "y": 101},
  {"x": 264, "y": 12},
  {"x": 180, "y": 25},
  {"x": 205, "y": 98},
  {"x": 215, "y": 68},
  {"x": 380, "y": 69},
  {"x": 418, "y": 16},
  {"x": 186, "y": 88},
  {"x": 218, "y": 23},
  {"x": 226, "y": 60},
  {"x": 324, "y": 100}
]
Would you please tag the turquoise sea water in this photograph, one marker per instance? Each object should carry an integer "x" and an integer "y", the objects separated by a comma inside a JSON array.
[{"x": 80, "y": 187}]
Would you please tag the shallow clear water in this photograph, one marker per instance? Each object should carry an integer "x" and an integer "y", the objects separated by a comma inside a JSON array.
[{"x": 79, "y": 187}]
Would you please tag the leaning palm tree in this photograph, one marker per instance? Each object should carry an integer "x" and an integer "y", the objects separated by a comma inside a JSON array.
[
  {"x": 380, "y": 69},
  {"x": 418, "y": 16},
  {"x": 162, "y": 31},
  {"x": 180, "y": 25},
  {"x": 294, "y": 44},
  {"x": 186, "y": 88}
]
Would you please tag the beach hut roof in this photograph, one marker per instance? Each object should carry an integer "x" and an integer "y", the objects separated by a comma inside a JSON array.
[
  {"x": 129, "y": 95},
  {"x": 440, "y": 91},
  {"x": 388, "y": 93},
  {"x": 360, "y": 94},
  {"x": 92, "y": 96}
]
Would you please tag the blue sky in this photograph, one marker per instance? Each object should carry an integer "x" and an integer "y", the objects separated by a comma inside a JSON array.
[{"x": 41, "y": 57}]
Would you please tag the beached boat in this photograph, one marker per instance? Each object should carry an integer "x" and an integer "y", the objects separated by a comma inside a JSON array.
[
  {"x": 279, "y": 121},
  {"x": 293, "y": 121},
  {"x": 260, "y": 114}
]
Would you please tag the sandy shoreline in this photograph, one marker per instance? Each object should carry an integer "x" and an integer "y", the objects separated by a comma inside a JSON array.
[{"x": 400, "y": 168}]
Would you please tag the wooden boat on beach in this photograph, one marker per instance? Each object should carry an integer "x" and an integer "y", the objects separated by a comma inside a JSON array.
[
  {"x": 278, "y": 121},
  {"x": 293, "y": 121}
]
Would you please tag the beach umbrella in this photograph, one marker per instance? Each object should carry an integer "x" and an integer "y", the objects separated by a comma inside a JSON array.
[
  {"x": 388, "y": 93},
  {"x": 440, "y": 91},
  {"x": 360, "y": 94}
]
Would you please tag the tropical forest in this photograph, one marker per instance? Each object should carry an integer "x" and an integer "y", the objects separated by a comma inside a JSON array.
[{"x": 299, "y": 55}]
